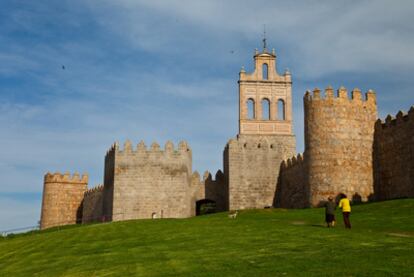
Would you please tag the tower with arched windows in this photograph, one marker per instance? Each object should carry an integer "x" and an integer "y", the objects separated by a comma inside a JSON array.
[
  {"x": 252, "y": 160},
  {"x": 265, "y": 98}
]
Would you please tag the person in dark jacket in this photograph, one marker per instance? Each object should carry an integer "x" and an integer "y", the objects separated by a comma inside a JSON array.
[{"x": 330, "y": 207}]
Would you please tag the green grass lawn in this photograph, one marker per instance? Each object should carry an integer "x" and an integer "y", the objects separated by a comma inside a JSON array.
[{"x": 271, "y": 242}]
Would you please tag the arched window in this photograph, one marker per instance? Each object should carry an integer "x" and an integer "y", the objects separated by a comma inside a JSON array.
[
  {"x": 250, "y": 109},
  {"x": 265, "y": 71},
  {"x": 281, "y": 109},
  {"x": 265, "y": 109}
]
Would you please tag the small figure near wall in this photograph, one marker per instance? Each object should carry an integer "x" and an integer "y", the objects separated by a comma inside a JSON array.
[
  {"x": 346, "y": 209},
  {"x": 330, "y": 207},
  {"x": 233, "y": 215}
]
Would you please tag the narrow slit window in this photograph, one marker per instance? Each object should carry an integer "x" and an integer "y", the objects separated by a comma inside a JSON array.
[
  {"x": 250, "y": 109},
  {"x": 281, "y": 110},
  {"x": 265, "y": 109},
  {"x": 265, "y": 70}
]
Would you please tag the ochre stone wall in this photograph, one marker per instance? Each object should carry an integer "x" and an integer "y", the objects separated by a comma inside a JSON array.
[
  {"x": 251, "y": 168},
  {"x": 293, "y": 189},
  {"x": 62, "y": 199},
  {"x": 394, "y": 157},
  {"x": 92, "y": 205},
  {"x": 152, "y": 182},
  {"x": 339, "y": 137}
]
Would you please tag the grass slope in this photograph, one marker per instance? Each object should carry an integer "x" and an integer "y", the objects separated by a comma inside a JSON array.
[{"x": 271, "y": 242}]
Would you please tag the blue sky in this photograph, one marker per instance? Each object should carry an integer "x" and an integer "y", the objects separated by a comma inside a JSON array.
[{"x": 168, "y": 70}]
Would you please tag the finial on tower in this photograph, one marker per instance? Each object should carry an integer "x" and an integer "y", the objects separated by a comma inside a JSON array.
[{"x": 264, "y": 38}]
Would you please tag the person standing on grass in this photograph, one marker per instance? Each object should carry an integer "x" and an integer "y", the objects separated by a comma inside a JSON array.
[
  {"x": 346, "y": 209},
  {"x": 330, "y": 207}
]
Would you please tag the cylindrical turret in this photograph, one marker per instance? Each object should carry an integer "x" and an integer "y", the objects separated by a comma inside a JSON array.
[
  {"x": 62, "y": 199},
  {"x": 339, "y": 136}
]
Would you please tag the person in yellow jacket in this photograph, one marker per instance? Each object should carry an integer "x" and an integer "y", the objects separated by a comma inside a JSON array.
[{"x": 346, "y": 209}]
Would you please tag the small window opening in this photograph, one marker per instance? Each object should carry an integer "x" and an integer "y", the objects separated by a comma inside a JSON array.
[
  {"x": 250, "y": 109},
  {"x": 265, "y": 109},
  {"x": 281, "y": 110},
  {"x": 265, "y": 71}
]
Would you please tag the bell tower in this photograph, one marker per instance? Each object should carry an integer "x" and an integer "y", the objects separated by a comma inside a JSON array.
[
  {"x": 252, "y": 160},
  {"x": 265, "y": 98}
]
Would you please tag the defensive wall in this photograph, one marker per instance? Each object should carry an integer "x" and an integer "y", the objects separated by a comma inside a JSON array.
[
  {"x": 293, "y": 189},
  {"x": 339, "y": 137},
  {"x": 92, "y": 205},
  {"x": 148, "y": 183},
  {"x": 62, "y": 199},
  {"x": 211, "y": 190},
  {"x": 394, "y": 156},
  {"x": 251, "y": 166},
  {"x": 346, "y": 151}
]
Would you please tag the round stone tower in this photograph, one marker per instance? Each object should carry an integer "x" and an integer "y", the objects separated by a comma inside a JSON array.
[{"x": 339, "y": 136}]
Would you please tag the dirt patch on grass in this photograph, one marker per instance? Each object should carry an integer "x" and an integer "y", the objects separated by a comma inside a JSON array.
[
  {"x": 401, "y": 235},
  {"x": 298, "y": 222}
]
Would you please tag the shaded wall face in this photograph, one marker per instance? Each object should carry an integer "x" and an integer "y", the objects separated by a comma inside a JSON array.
[
  {"x": 339, "y": 135},
  {"x": 152, "y": 184},
  {"x": 108, "y": 190},
  {"x": 394, "y": 158},
  {"x": 292, "y": 189},
  {"x": 253, "y": 164},
  {"x": 92, "y": 206},
  {"x": 62, "y": 204},
  {"x": 211, "y": 190}
]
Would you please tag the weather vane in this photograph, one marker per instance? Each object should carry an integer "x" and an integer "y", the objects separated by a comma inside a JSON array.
[{"x": 264, "y": 37}]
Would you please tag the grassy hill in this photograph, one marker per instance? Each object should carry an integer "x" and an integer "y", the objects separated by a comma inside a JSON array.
[{"x": 271, "y": 242}]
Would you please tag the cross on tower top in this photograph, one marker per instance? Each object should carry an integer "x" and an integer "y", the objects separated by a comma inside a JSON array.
[{"x": 264, "y": 38}]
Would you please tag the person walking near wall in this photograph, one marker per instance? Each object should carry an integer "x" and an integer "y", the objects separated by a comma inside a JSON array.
[
  {"x": 330, "y": 212},
  {"x": 346, "y": 210}
]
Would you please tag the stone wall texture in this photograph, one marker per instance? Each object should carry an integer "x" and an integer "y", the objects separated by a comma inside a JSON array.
[
  {"x": 62, "y": 199},
  {"x": 339, "y": 137},
  {"x": 293, "y": 189},
  {"x": 92, "y": 205},
  {"x": 210, "y": 189},
  {"x": 251, "y": 168},
  {"x": 149, "y": 183},
  {"x": 394, "y": 157}
]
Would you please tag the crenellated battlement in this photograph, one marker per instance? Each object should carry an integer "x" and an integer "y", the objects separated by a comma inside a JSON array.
[
  {"x": 297, "y": 160},
  {"x": 399, "y": 119},
  {"x": 65, "y": 178},
  {"x": 141, "y": 149},
  {"x": 98, "y": 188},
  {"x": 340, "y": 96},
  {"x": 261, "y": 143}
]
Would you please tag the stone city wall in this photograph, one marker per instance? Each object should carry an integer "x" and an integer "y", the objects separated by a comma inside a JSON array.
[
  {"x": 293, "y": 190},
  {"x": 62, "y": 199},
  {"x": 93, "y": 205},
  {"x": 339, "y": 137},
  {"x": 394, "y": 156},
  {"x": 149, "y": 183},
  {"x": 211, "y": 189},
  {"x": 251, "y": 168}
]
